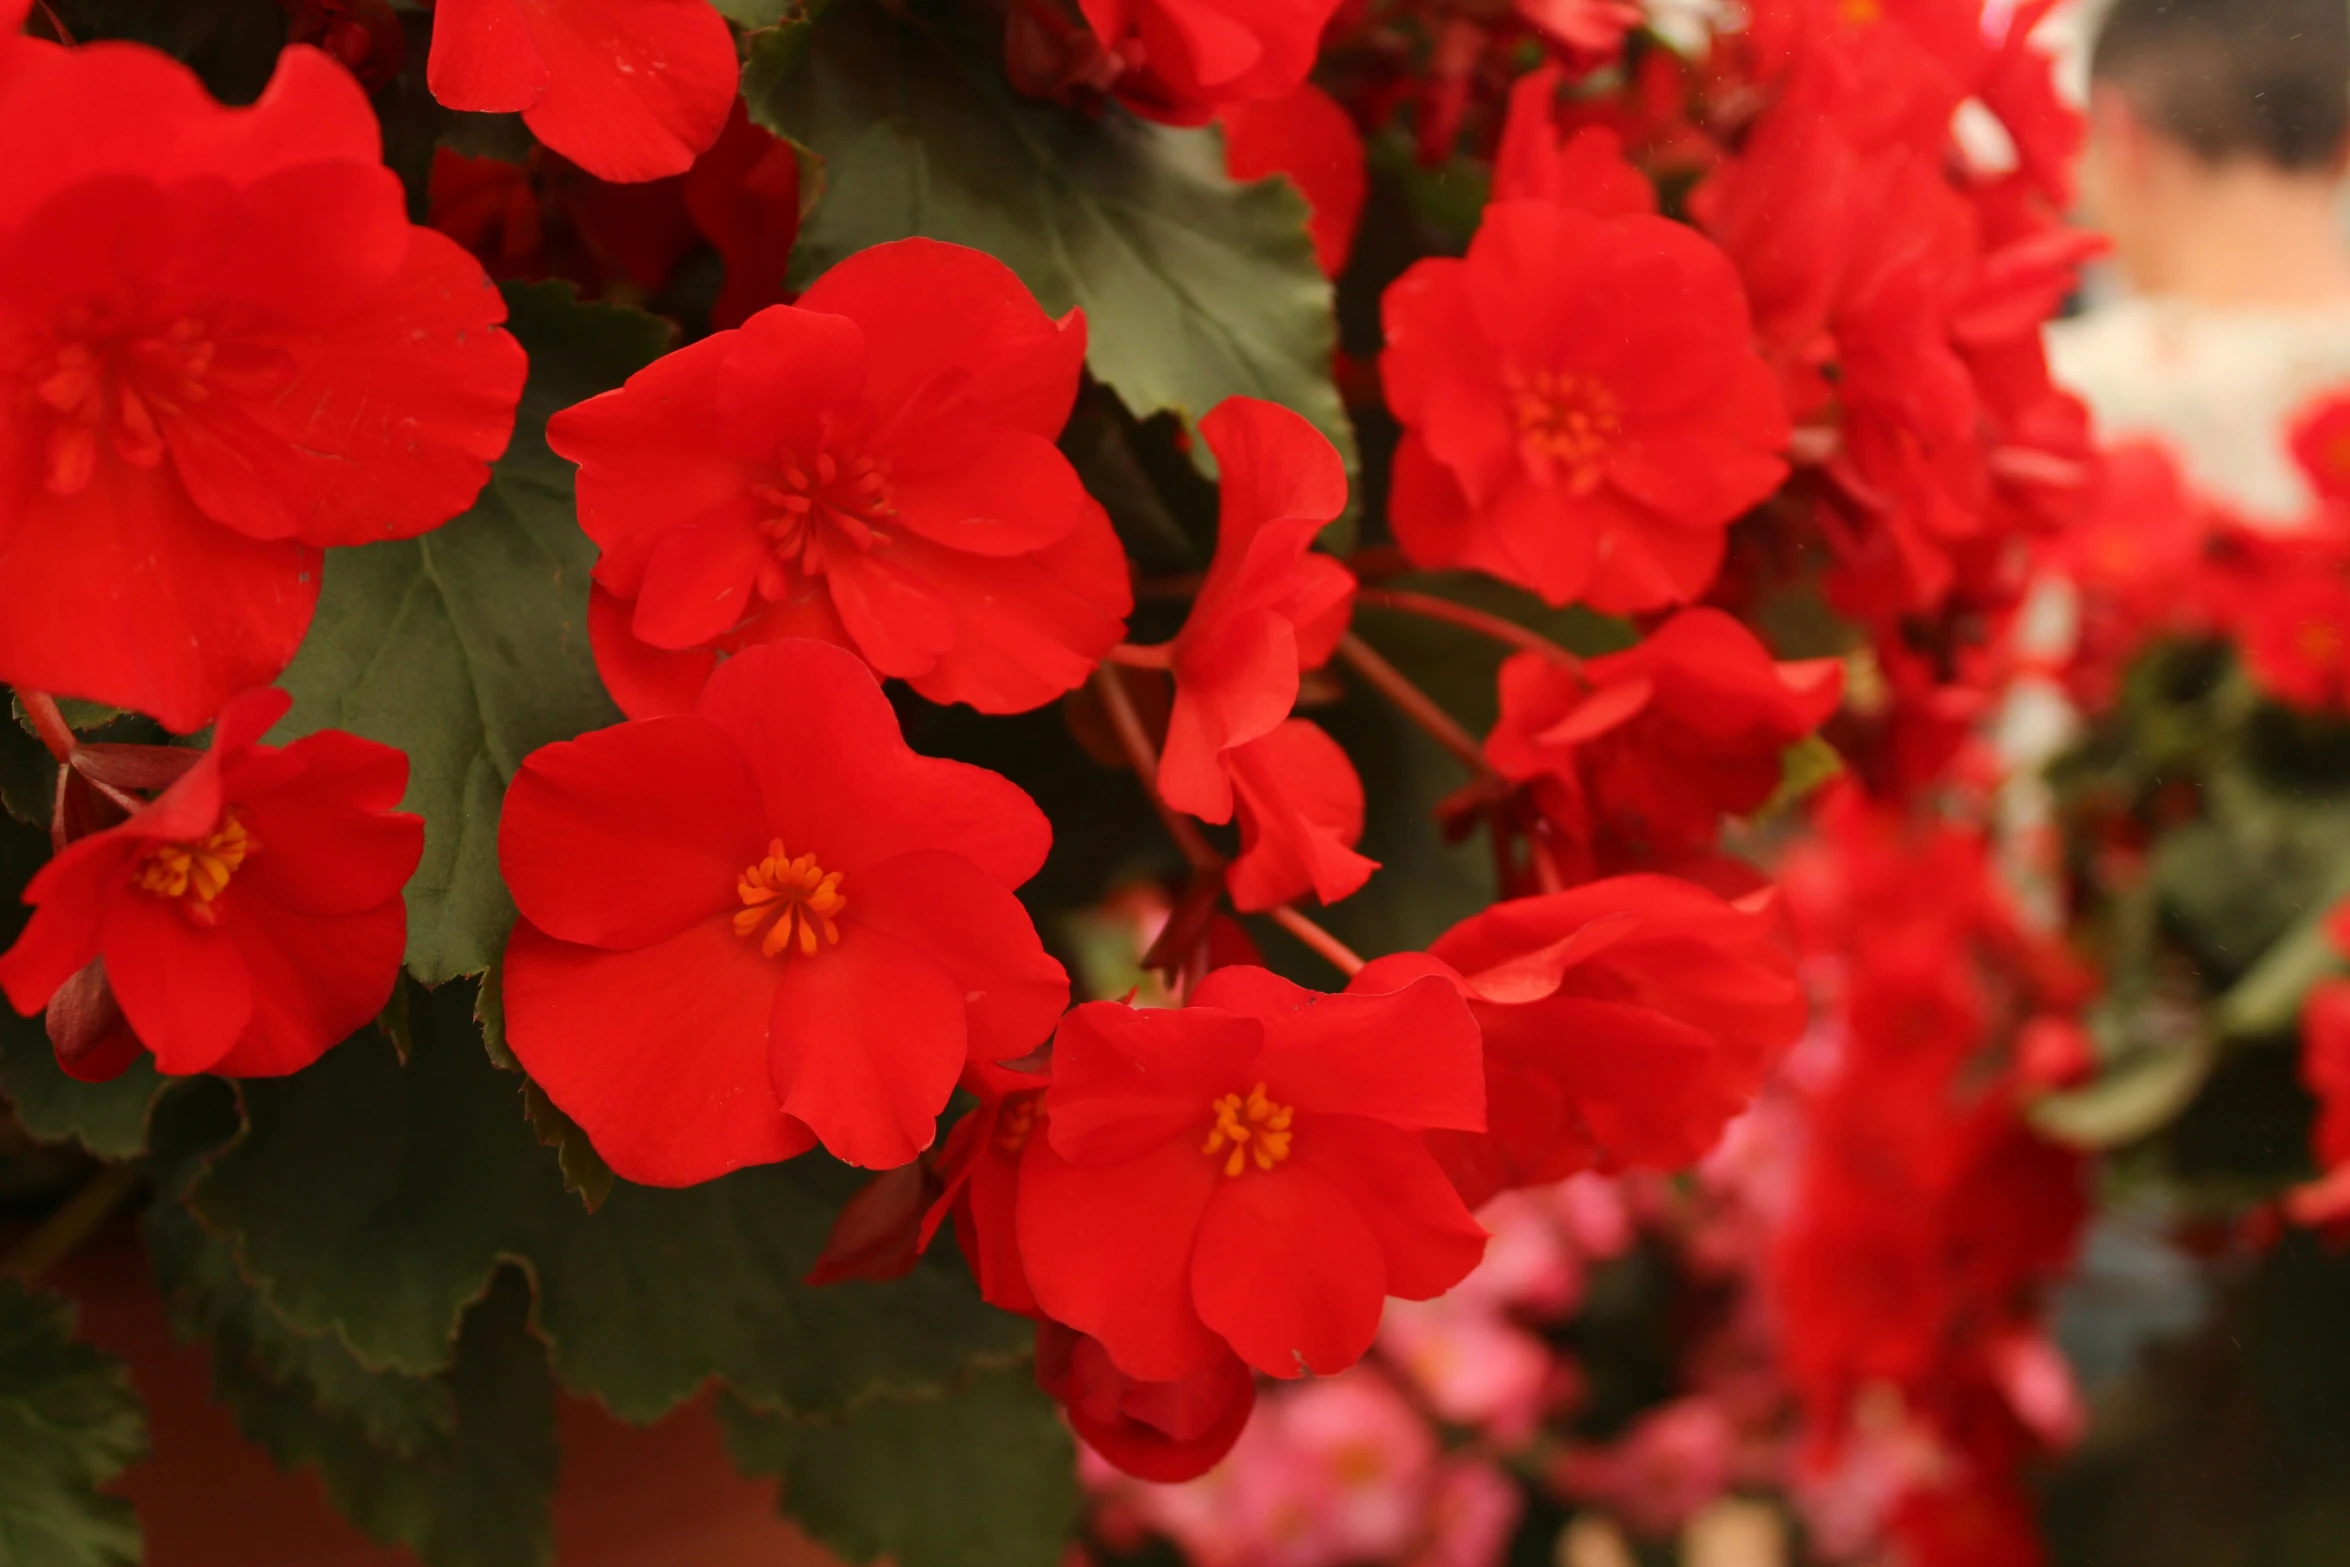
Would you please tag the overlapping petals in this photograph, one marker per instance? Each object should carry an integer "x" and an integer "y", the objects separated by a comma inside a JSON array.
[
  {"x": 767, "y": 923},
  {"x": 1177, "y": 60},
  {"x": 241, "y": 922},
  {"x": 223, "y": 346}
]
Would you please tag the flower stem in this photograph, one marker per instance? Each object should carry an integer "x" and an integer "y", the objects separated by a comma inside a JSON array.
[
  {"x": 1130, "y": 655},
  {"x": 1429, "y": 606},
  {"x": 1416, "y": 704},
  {"x": 57, "y": 1236},
  {"x": 1341, "y": 956},
  {"x": 1144, "y": 759},
  {"x": 56, "y": 734}
]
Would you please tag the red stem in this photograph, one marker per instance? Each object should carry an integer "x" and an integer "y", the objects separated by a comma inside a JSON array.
[
  {"x": 1130, "y": 655},
  {"x": 1341, "y": 956},
  {"x": 1144, "y": 759},
  {"x": 1415, "y": 703},
  {"x": 48, "y": 723},
  {"x": 1430, "y": 607}
]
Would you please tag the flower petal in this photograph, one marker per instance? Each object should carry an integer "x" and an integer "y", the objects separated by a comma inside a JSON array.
[
  {"x": 1288, "y": 1271},
  {"x": 184, "y": 990},
  {"x": 865, "y": 1043},
  {"x": 974, "y": 931}
]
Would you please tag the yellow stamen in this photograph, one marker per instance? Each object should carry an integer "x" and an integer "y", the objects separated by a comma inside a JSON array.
[
  {"x": 800, "y": 896},
  {"x": 196, "y": 872},
  {"x": 1252, "y": 1128}
]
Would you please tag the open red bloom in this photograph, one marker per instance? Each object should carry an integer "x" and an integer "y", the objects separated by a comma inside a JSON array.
[
  {"x": 627, "y": 89},
  {"x": 767, "y": 922},
  {"x": 1584, "y": 411},
  {"x": 1625, "y": 1022},
  {"x": 245, "y": 919},
  {"x": 1307, "y": 136},
  {"x": 1166, "y": 1432},
  {"x": 1180, "y": 59},
  {"x": 873, "y": 467},
  {"x": 1637, "y": 756},
  {"x": 1248, "y": 1174},
  {"x": 1301, "y": 813},
  {"x": 222, "y": 345},
  {"x": 1269, "y": 609}
]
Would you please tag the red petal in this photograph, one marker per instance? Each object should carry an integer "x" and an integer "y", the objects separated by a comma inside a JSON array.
[
  {"x": 999, "y": 492},
  {"x": 660, "y": 1054},
  {"x": 1128, "y": 1079},
  {"x": 70, "y": 895},
  {"x": 1412, "y": 1058},
  {"x": 1301, "y": 813},
  {"x": 184, "y": 990},
  {"x": 316, "y": 979},
  {"x": 865, "y": 1044},
  {"x": 635, "y": 88},
  {"x": 976, "y": 933},
  {"x": 645, "y": 681},
  {"x": 483, "y": 59},
  {"x": 1287, "y": 1270},
  {"x": 1426, "y": 1236},
  {"x": 326, "y": 840}
]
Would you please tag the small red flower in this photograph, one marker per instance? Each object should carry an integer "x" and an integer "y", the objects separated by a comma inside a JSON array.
[
  {"x": 1301, "y": 814},
  {"x": 1166, "y": 1432},
  {"x": 627, "y": 89},
  {"x": 222, "y": 345},
  {"x": 1624, "y": 1022},
  {"x": 873, "y": 467},
  {"x": 245, "y": 919},
  {"x": 1307, "y": 136},
  {"x": 1247, "y": 1175},
  {"x": 1178, "y": 60},
  {"x": 1584, "y": 411},
  {"x": 766, "y": 923},
  {"x": 1270, "y": 608},
  {"x": 2296, "y": 640},
  {"x": 1638, "y": 756}
]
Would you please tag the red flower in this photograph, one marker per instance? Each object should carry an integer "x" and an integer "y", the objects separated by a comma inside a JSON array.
[
  {"x": 1166, "y": 1432},
  {"x": 1247, "y": 1174},
  {"x": 766, "y": 923},
  {"x": 1182, "y": 59},
  {"x": 1584, "y": 413},
  {"x": 1640, "y": 754},
  {"x": 1625, "y": 1022},
  {"x": 1586, "y": 171},
  {"x": 1301, "y": 813},
  {"x": 744, "y": 195},
  {"x": 222, "y": 345},
  {"x": 245, "y": 919},
  {"x": 627, "y": 89},
  {"x": 2320, "y": 441},
  {"x": 873, "y": 467},
  {"x": 979, "y": 1168},
  {"x": 2296, "y": 640},
  {"x": 1308, "y": 137},
  {"x": 1269, "y": 608}
]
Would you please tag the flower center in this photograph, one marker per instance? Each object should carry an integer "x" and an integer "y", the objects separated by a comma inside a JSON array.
[
  {"x": 791, "y": 900},
  {"x": 1252, "y": 1128},
  {"x": 1862, "y": 13},
  {"x": 110, "y": 383},
  {"x": 818, "y": 510},
  {"x": 195, "y": 873},
  {"x": 1566, "y": 421},
  {"x": 1017, "y": 1120}
]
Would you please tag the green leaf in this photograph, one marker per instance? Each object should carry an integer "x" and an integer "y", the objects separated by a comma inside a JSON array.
[
  {"x": 1195, "y": 288},
  {"x": 483, "y": 1502},
  {"x": 585, "y": 1174},
  {"x": 2134, "y": 1097},
  {"x": 984, "y": 1477},
  {"x": 372, "y": 1200},
  {"x": 69, "y": 1423},
  {"x": 467, "y": 647},
  {"x": 1803, "y": 767}
]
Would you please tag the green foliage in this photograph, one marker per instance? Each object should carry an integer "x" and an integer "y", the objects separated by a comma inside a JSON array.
[
  {"x": 1195, "y": 288},
  {"x": 981, "y": 1477},
  {"x": 480, "y": 1499},
  {"x": 467, "y": 647},
  {"x": 372, "y": 1200},
  {"x": 68, "y": 1424}
]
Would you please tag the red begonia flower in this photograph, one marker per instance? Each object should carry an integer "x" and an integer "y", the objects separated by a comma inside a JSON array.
[
  {"x": 873, "y": 467},
  {"x": 2296, "y": 641},
  {"x": 979, "y": 1169},
  {"x": 1584, "y": 411},
  {"x": 627, "y": 89},
  {"x": 767, "y": 922},
  {"x": 223, "y": 345},
  {"x": 1166, "y": 1432},
  {"x": 1637, "y": 756},
  {"x": 1269, "y": 608},
  {"x": 1625, "y": 1022},
  {"x": 1301, "y": 812},
  {"x": 1307, "y": 136},
  {"x": 1184, "y": 58},
  {"x": 248, "y": 917},
  {"x": 1585, "y": 171},
  {"x": 744, "y": 195},
  {"x": 1249, "y": 1174}
]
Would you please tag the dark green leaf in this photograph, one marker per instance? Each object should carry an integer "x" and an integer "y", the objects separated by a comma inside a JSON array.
[
  {"x": 467, "y": 648},
  {"x": 373, "y": 1199},
  {"x": 480, "y": 1503},
  {"x": 983, "y": 1477},
  {"x": 1194, "y": 288},
  {"x": 68, "y": 1423},
  {"x": 585, "y": 1173}
]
